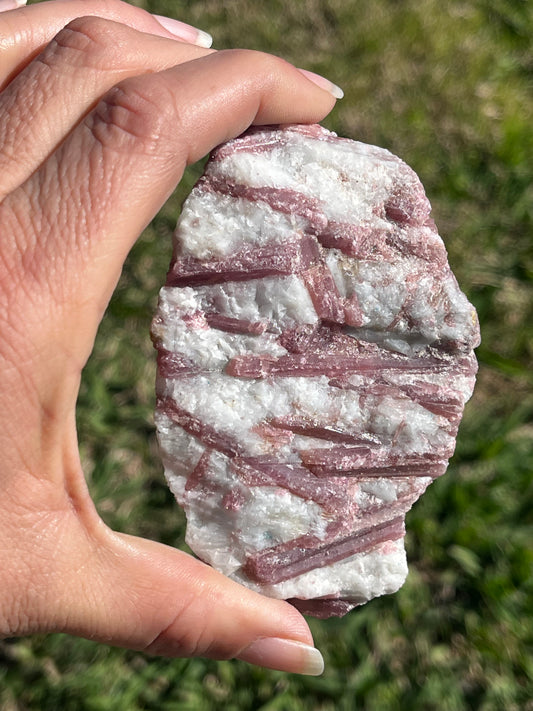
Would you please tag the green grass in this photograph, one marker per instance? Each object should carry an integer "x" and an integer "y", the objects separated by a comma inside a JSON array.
[{"x": 448, "y": 87}]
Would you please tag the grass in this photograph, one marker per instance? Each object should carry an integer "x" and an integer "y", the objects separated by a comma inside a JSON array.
[{"x": 448, "y": 87}]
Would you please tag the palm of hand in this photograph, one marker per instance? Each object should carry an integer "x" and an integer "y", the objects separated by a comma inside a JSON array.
[{"x": 95, "y": 133}]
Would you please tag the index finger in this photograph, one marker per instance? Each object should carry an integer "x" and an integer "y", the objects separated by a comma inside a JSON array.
[
  {"x": 26, "y": 31},
  {"x": 82, "y": 211},
  {"x": 52, "y": 94}
]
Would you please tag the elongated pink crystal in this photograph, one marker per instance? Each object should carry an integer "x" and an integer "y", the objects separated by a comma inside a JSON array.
[
  {"x": 315, "y": 355},
  {"x": 300, "y": 556}
]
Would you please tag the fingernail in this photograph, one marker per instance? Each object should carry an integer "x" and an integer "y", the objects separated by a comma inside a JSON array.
[
  {"x": 323, "y": 83},
  {"x": 185, "y": 32},
  {"x": 284, "y": 655},
  {"x": 11, "y": 4}
]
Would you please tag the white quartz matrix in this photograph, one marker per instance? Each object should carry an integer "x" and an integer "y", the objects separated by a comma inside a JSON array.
[{"x": 314, "y": 357}]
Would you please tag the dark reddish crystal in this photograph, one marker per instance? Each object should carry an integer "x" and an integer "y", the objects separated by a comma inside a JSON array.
[
  {"x": 323, "y": 608},
  {"x": 289, "y": 202},
  {"x": 310, "y": 428},
  {"x": 174, "y": 365},
  {"x": 324, "y": 294},
  {"x": 272, "y": 260},
  {"x": 207, "y": 434},
  {"x": 235, "y": 325},
  {"x": 258, "y": 471},
  {"x": 330, "y": 364},
  {"x": 286, "y": 561},
  {"x": 368, "y": 462},
  {"x": 199, "y": 472}
]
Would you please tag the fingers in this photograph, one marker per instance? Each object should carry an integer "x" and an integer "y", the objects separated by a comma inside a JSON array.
[
  {"x": 143, "y": 595},
  {"x": 114, "y": 171},
  {"x": 82, "y": 62},
  {"x": 26, "y": 32}
]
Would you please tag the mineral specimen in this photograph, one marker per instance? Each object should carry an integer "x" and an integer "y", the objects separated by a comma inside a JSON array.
[{"x": 314, "y": 357}]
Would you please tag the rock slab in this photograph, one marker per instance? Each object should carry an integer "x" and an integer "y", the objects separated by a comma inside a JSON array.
[{"x": 314, "y": 357}]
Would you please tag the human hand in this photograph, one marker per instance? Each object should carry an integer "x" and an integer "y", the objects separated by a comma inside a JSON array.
[{"x": 97, "y": 123}]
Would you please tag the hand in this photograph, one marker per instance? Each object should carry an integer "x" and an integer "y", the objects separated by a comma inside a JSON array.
[{"x": 97, "y": 123}]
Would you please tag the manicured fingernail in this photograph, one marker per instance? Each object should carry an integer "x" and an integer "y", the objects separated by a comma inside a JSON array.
[
  {"x": 323, "y": 83},
  {"x": 11, "y": 4},
  {"x": 284, "y": 655},
  {"x": 185, "y": 32}
]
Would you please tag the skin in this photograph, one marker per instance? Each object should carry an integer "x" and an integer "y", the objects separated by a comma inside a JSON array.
[{"x": 99, "y": 116}]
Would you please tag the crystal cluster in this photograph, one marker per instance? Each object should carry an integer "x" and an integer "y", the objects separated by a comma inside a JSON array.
[{"x": 314, "y": 357}]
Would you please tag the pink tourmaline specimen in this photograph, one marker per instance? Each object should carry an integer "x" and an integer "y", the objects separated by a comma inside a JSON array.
[{"x": 314, "y": 357}]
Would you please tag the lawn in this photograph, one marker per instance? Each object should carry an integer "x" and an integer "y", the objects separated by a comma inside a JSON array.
[{"x": 447, "y": 86}]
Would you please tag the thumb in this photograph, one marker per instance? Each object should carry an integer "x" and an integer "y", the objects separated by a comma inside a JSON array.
[{"x": 162, "y": 601}]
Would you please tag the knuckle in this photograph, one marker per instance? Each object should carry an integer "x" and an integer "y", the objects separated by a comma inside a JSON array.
[
  {"x": 190, "y": 634},
  {"x": 132, "y": 115},
  {"x": 262, "y": 65},
  {"x": 88, "y": 42}
]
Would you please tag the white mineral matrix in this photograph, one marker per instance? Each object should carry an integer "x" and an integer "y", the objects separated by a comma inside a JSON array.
[{"x": 314, "y": 357}]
